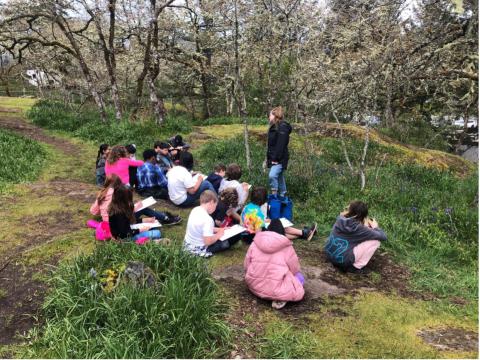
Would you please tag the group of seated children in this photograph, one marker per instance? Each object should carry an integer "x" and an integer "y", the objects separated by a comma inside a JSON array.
[{"x": 272, "y": 268}]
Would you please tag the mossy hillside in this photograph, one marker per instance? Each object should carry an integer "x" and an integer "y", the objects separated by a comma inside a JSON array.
[{"x": 429, "y": 158}]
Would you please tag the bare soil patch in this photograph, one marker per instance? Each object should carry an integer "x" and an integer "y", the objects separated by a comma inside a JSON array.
[
  {"x": 22, "y": 295},
  {"x": 10, "y": 110},
  {"x": 75, "y": 190},
  {"x": 316, "y": 289},
  {"x": 31, "y": 131},
  {"x": 22, "y": 298},
  {"x": 450, "y": 339},
  {"x": 384, "y": 275}
]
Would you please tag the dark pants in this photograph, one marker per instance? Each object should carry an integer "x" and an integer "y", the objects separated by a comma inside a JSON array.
[
  {"x": 160, "y": 216},
  {"x": 220, "y": 245},
  {"x": 157, "y": 192},
  {"x": 192, "y": 199},
  {"x": 132, "y": 176}
]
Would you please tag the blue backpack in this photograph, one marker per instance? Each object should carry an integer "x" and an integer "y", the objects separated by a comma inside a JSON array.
[{"x": 280, "y": 207}]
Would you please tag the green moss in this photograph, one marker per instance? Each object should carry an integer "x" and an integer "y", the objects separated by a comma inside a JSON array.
[
  {"x": 234, "y": 256},
  {"x": 65, "y": 246},
  {"x": 17, "y": 103},
  {"x": 378, "y": 326}
]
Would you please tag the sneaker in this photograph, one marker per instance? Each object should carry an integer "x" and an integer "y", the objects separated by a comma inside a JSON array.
[
  {"x": 309, "y": 232},
  {"x": 278, "y": 304},
  {"x": 171, "y": 219}
]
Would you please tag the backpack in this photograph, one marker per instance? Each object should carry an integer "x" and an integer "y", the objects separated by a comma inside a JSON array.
[{"x": 280, "y": 207}]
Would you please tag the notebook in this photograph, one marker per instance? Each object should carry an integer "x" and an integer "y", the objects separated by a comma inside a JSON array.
[
  {"x": 146, "y": 224},
  {"x": 285, "y": 222},
  {"x": 231, "y": 232},
  {"x": 146, "y": 203}
]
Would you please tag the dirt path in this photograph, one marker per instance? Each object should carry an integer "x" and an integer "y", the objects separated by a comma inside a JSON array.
[{"x": 60, "y": 203}]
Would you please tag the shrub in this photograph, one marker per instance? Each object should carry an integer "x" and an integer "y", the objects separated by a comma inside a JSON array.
[
  {"x": 22, "y": 159},
  {"x": 179, "y": 317}
]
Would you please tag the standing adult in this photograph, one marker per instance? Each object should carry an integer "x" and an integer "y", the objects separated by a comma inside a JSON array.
[{"x": 277, "y": 150}]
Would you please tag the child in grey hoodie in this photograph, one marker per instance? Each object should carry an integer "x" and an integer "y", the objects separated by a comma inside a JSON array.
[{"x": 354, "y": 238}]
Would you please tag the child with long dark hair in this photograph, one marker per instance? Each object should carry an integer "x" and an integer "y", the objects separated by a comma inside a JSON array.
[
  {"x": 354, "y": 238},
  {"x": 121, "y": 216},
  {"x": 104, "y": 198},
  {"x": 225, "y": 214},
  {"x": 100, "y": 164}
]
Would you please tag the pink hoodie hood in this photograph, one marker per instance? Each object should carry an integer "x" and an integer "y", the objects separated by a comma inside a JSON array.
[
  {"x": 270, "y": 242},
  {"x": 270, "y": 267}
]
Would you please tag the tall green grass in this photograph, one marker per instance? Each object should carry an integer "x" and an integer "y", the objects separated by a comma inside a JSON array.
[
  {"x": 430, "y": 216},
  {"x": 180, "y": 317},
  {"x": 22, "y": 159},
  {"x": 86, "y": 125}
]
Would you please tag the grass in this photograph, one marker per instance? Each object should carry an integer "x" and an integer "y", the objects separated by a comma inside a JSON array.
[
  {"x": 66, "y": 246},
  {"x": 85, "y": 125},
  {"x": 179, "y": 317},
  {"x": 22, "y": 159},
  {"x": 370, "y": 325},
  {"x": 284, "y": 341}
]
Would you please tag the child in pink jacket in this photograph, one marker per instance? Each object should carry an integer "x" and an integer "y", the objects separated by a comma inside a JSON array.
[
  {"x": 272, "y": 269},
  {"x": 118, "y": 163}
]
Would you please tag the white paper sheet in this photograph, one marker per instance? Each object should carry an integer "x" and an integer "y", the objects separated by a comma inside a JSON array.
[
  {"x": 146, "y": 224},
  {"x": 234, "y": 230},
  {"x": 146, "y": 203},
  {"x": 285, "y": 222}
]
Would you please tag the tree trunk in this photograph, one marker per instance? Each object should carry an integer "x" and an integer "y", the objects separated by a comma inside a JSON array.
[
  {"x": 364, "y": 156},
  {"x": 342, "y": 140},
  {"x": 206, "y": 94},
  {"x": 109, "y": 54},
  {"x": 228, "y": 101},
  {"x": 156, "y": 101},
  {"x": 239, "y": 93},
  {"x": 97, "y": 97},
  {"x": 7, "y": 89}
]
